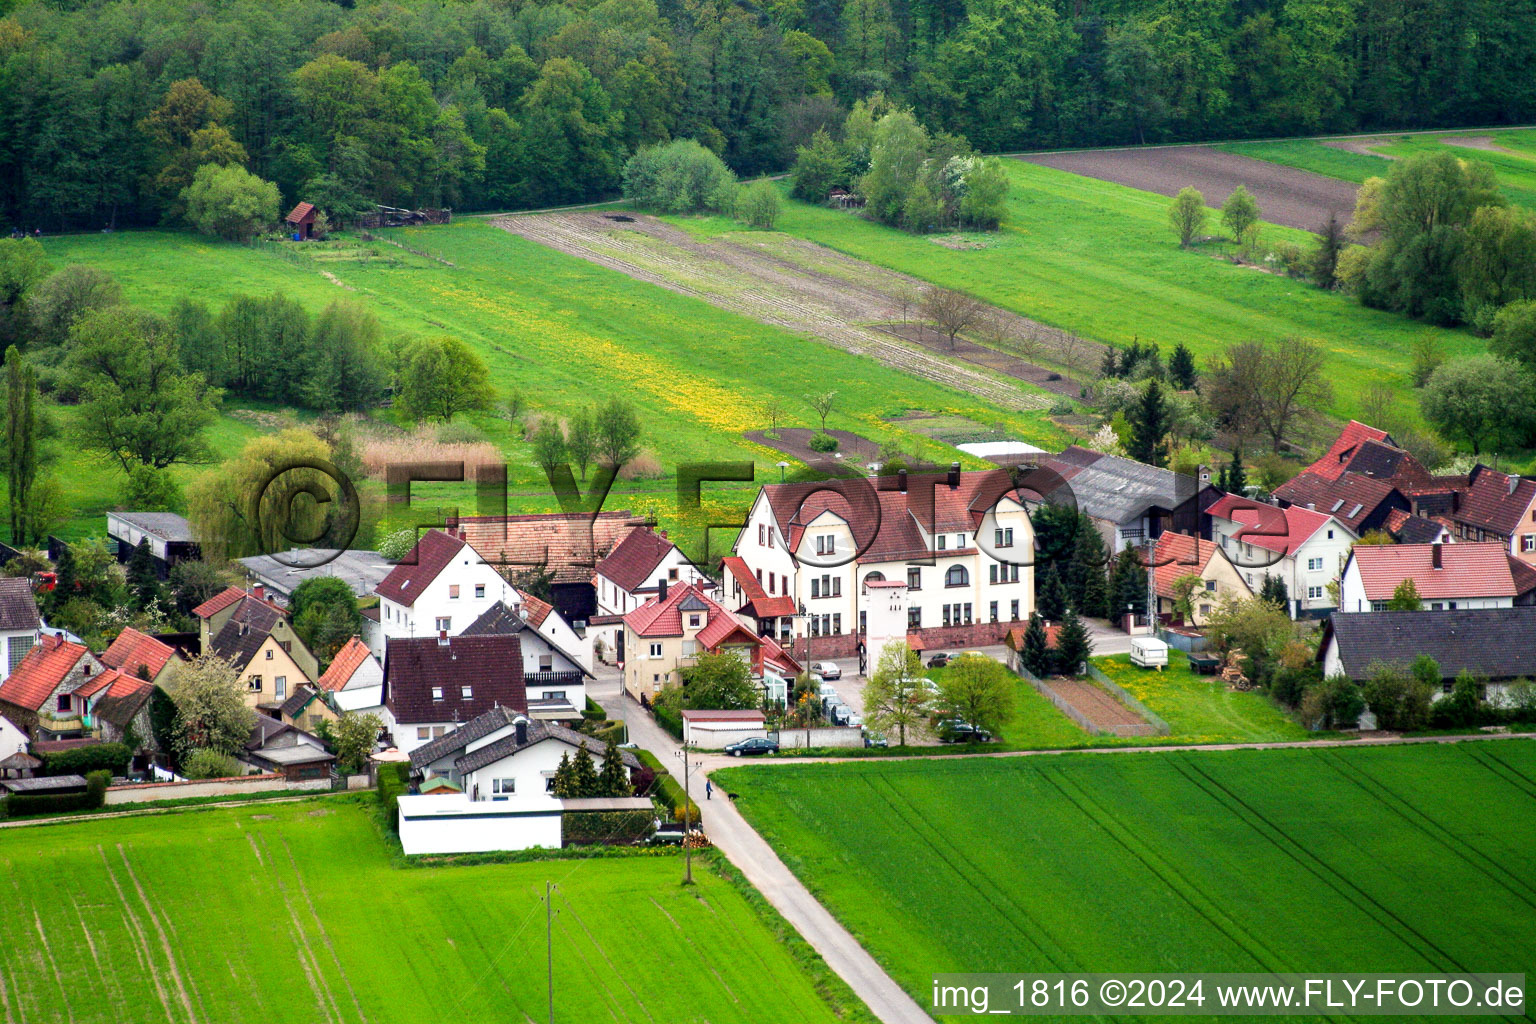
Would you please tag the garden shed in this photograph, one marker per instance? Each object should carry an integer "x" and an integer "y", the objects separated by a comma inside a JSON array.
[{"x": 302, "y": 221}]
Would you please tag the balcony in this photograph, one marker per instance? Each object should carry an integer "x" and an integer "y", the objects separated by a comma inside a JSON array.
[{"x": 563, "y": 678}]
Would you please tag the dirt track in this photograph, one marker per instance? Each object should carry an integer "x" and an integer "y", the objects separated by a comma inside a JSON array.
[
  {"x": 1097, "y": 706},
  {"x": 802, "y": 287},
  {"x": 1286, "y": 195}
]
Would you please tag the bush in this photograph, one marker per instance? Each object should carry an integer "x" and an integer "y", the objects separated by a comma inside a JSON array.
[
  {"x": 669, "y": 720},
  {"x": 18, "y": 805},
  {"x": 593, "y": 712},
  {"x": 820, "y": 442},
  {"x": 1063, "y": 407},
  {"x": 759, "y": 205},
  {"x": 110, "y": 757},
  {"x": 679, "y": 177},
  {"x": 460, "y": 433},
  {"x": 229, "y": 202},
  {"x": 210, "y": 764},
  {"x": 615, "y": 731},
  {"x": 667, "y": 789},
  {"x": 394, "y": 782},
  {"x": 397, "y": 545}
]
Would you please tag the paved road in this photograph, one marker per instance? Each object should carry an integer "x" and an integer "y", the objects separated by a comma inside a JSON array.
[{"x": 755, "y": 859}]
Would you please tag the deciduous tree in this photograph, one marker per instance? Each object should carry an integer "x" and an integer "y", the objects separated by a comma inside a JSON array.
[
  {"x": 893, "y": 698},
  {"x": 952, "y": 311},
  {"x": 211, "y": 712},
  {"x": 979, "y": 690},
  {"x": 1187, "y": 215},
  {"x": 442, "y": 378}
]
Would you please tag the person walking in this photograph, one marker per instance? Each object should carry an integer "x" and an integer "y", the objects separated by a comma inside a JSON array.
[{"x": 709, "y": 789}]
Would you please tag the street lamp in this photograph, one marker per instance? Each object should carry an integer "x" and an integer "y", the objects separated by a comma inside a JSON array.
[
  {"x": 782, "y": 467},
  {"x": 688, "y": 766}
]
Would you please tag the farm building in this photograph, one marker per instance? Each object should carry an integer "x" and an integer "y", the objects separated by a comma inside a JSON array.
[{"x": 302, "y": 220}]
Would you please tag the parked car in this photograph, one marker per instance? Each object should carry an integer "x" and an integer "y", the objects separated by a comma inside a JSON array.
[
  {"x": 838, "y": 714},
  {"x": 827, "y": 670},
  {"x": 958, "y": 730},
  {"x": 939, "y": 660},
  {"x": 874, "y": 739},
  {"x": 855, "y": 720},
  {"x": 752, "y": 745}
]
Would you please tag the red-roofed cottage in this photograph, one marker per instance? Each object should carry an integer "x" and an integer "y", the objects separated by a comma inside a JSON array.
[
  {"x": 39, "y": 695},
  {"x": 637, "y": 566},
  {"x": 139, "y": 654},
  {"x": 1447, "y": 576},
  {"x": 1178, "y": 555},
  {"x": 1305, "y": 549},
  {"x": 680, "y": 623}
]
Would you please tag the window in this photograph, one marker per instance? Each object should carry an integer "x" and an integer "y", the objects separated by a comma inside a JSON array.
[
  {"x": 280, "y": 687},
  {"x": 943, "y": 542},
  {"x": 947, "y": 613},
  {"x": 1330, "y": 535},
  {"x": 549, "y": 780},
  {"x": 1314, "y": 564},
  {"x": 1249, "y": 578},
  {"x": 423, "y": 733},
  {"x": 1210, "y": 585},
  {"x": 770, "y": 583},
  {"x": 914, "y": 579},
  {"x": 1378, "y": 606},
  {"x": 453, "y": 591},
  {"x": 760, "y": 578},
  {"x": 286, "y": 645},
  {"x": 655, "y": 650},
  {"x": 1002, "y": 538},
  {"x": 837, "y": 586},
  {"x": 992, "y": 611},
  {"x": 959, "y": 540},
  {"x": 784, "y": 584},
  {"x": 967, "y": 612},
  {"x": 546, "y": 662},
  {"x": 826, "y": 544},
  {"x": 20, "y": 645},
  {"x": 863, "y": 619},
  {"x": 1527, "y": 543},
  {"x": 992, "y": 573},
  {"x": 444, "y": 623},
  {"x": 269, "y": 654},
  {"x": 693, "y": 621},
  {"x": 467, "y": 692},
  {"x": 64, "y": 702},
  {"x": 690, "y": 648},
  {"x": 837, "y": 624},
  {"x": 437, "y": 693},
  {"x": 759, "y": 534},
  {"x": 1013, "y": 610},
  {"x": 1013, "y": 574},
  {"x": 875, "y": 577},
  {"x": 956, "y": 576},
  {"x": 671, "y": 574},
  {"x": 815, "y": 587},
  {"x": 479, "y": 589},
  {"x": 253, "y": 683},
  {"x": 770, "y": 536},
  {"x": 1205, "y": 609},
  {"x": 554, "y": 695},
  {"x": 503, "y": 788},
  {"x": 1314, "y": 593},
  {"x": 914, "y": 617}
]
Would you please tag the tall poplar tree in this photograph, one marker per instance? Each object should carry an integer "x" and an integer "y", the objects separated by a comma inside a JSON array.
[{"x": 21, "y": 441}]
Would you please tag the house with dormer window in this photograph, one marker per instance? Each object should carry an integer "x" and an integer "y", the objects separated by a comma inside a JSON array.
[{"x": 670, "y": 631}]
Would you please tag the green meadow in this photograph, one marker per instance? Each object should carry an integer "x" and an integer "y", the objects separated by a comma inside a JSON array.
[
  {"x": 299, "y": 913},
  {"x": 1099, "y": 259},
  {"x": 561, "y": 332},
  {"x": 1393, "y": 859}
]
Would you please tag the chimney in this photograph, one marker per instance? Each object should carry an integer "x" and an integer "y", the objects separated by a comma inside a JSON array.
[
  {"x": 954, "y": 474},
  {"x": 1204, "y": 474},
  {"x": 522, "y": 730},
  {"x": 260, "y": 592},
  {"x": 442, "y": 638},
  {"x": 1434, "y": 555},
  {"x": 661, "y": 591},
  {"x": 451, "y": 526},
  {"x": 1514, "y": 482},
  {"x": 1455, "y": 501},
  {"x": 901, "y": 480}
]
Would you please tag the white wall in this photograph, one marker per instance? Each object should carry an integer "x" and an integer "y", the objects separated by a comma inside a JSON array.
[
  {"x": 715, "y": 735},
  {"x": 451, "y": 823},
  {"x": 615, "y": 600},
  {"x": 466, "y": 571},
  {"x": 531, "y": 767},
  {"x": 12, "y": 739},
  {"x": 21, "y": 642},
  {"x": 151, "y": 791}
]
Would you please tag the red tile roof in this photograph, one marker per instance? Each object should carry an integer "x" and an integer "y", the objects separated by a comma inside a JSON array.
[
  {"x": 218, "y": 602},
  {"x": 347, "y": 661},
  {"x": 631, "y": 563},
  {"x": 1468, "y": 570},
  {"x": 569, "y": 545},
  {"x": 1332, "y": 465},
  {"x": 40, "y": 672},
  {"x": 535, "y": 610},
  {"x": 132, "y": 649},
  {"x": 415, "y": 573},
  {"x": 1496, "y": 501},
  {"x": 1284, "y": 530},
  {"x": 300, "y": 213},
  {"x": 1524, "y": 575},
  {"x": 1351, "y": 497},
  {"x": 759, "y": 605},
  {"x": 659, "y": 617},
  {"x": 1179, "y": 554}
]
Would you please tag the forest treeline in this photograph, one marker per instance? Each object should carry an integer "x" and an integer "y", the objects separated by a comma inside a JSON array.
[{"x": 514, "y": 103}]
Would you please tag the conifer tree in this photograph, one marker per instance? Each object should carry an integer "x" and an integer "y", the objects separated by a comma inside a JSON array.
[
  {"x": 1038, "y": 658},
  {"x": 613, "y": 780},
  {"x": 583, "y": 773},
  {"x": 1073, "y": 645},
  {"x": 1237, "y": 476},
  {"x": 1050, "y": 594},
  {"x": 563, "y": 777},
  {"x": 1151, "y": 420},
  {"x": 1181, "y": 368},
  {"x": 1091, "y": 556},
  {"x": 143, "y": 582},
  {"x": 21, "y": 450}
]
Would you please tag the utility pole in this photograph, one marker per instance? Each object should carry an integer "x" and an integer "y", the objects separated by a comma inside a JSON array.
[
  {"x": 549, "y": 945},
  {"x": 688, "y": 767}
]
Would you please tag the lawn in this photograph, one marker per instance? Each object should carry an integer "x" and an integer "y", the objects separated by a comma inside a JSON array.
[
  {"x": 298, "y": 913},
  {"x": 1099, "y": 259},
  {"x": 1202, "y": 709},
  {"x": 1382, "y": 859},
  {"x": 562, "y": 332}
]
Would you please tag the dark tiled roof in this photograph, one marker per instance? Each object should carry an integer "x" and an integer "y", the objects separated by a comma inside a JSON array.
[
  {"x": 119, "y": 710},
  {"x": 244, "y": 632},
  {"x": 1411, "y": 529},
  {"x": 537, "y": 733},
  {"x": 1351, "y": 498},
  {"x": 1120, "y": 490},
  {"x": 455, "y": 740},
  {"x": 1354, "y": 434},
  {"x": 1495, "y": 501},
  {"x": 300, "y": 698},
  {"x": 1384, "y": 462},
  {"x": 431, "y": 555},
  {"x": 492, "y": 666},
  {"x": 1491, "y": 642},
  {"x": 500, "y": 619},
  {"x": 18, "y": 609},
  {"x": 635, "y": 558}
]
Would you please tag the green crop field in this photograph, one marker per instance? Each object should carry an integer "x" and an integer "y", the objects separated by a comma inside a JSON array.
[
  {"x": 561, "y": 331},
  {"x": 1382, "y": 859},
  {"x": 297, "y": 913},
  {"x": 1099, "y": 259}
]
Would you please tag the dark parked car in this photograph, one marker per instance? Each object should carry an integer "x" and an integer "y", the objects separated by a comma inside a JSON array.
[
  {"x": 958, "y": 730},
  {"x": 939, "y": 660},
  {"x": 752, "y": 745}
]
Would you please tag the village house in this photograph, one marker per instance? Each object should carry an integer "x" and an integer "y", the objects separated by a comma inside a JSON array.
[
  {"x": 19, "y": 622},
  {"x": 442, "y": 585},
  {"x": 1131, "y": 502},
  {"x": 39, "y": 695},
  {"x": 1178, "y": 555},
  {"x": 284, "y": 749},
  {"x": 637, "y": 566},
  {"x": 258, "y": 641},
  {"x": 672, "y": 629},
  {"x": 554, "y": 677},
  {"x": 961, "y": 542},
  {"x": 139, "y": 654},
  {"x": 550, "y": 624},
  {"x": 1305, "y": 549},
  {"x": 1447, "y": 576},
  {"x": 355, "y": 682},
  {"x": 114, "y": 706},
  {"x": 1493, "y": 644},
  {"x": 168, "y": 534},
  {"x": 1487, "y": 506},
  {"x": 308, "y": 708},
  {"x": 433, "y": 685}
]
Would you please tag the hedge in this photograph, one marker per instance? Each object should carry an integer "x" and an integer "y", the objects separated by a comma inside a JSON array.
[
  {"x": 593, "y": 712},
  {"x": 394, "y": 782},
  {"x": 21, "y": 804},
  {"x": 605, "y": 827},
  {"x": 112, "y": 757},
  {"x": 670, "y": 721},
  {"x": 667, "y": 789},
  {"x": 616, "y": 731}
]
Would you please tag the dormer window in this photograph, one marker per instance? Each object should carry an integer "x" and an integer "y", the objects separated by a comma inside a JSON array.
[
  {"x": 694, "y": 621},
  {"x": 467, "y": 692},
  {"x": 437, "y": 693}
]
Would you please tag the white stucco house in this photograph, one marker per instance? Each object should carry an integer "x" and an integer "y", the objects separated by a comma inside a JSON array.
[
  {"x": 442, "y": 585},
  {"x": 355, "y": 681},
  {"x": 1304, "y": 548},
  {"x": 554, "y": 676},
  {"x": 636, "y": 568},
  {"x": 1448, "y": 577}
]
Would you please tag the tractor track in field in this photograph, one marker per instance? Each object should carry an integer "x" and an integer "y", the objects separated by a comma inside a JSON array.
[{"x": 790, "y": 283}]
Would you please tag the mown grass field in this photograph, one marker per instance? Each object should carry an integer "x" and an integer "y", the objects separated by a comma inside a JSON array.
[
  {"x": 1099, "y": 259},
  {"x": 1381, "y": 859},
  {"x": 297, "y": 913},
  {"x": 563, "y": 333}
]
